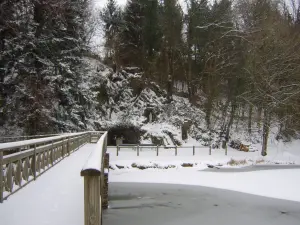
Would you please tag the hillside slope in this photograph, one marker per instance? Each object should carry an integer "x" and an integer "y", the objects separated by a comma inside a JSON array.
[
  {"x": 125, "y": 97},
  {"x": 105, "y": 98}
]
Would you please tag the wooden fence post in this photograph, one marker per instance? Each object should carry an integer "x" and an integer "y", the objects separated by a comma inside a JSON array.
[
  {"x": 34, "y": 163},
  {"x": 226, "y": 148},
  {"x": 193, "y": 150},
  {"x": 175, "y": 150},
  {"x": 1, "y": 177},
  {"x": 68, "y": 146},
  {"x": 63, "y": 147},
  {"x": 138, "y": 150},
  {"x": 209, "y": 149},
  {"x": 52, "y": 154},
  {"x": 117, "y": 150},
  {"x": 91, "y": 137},
  {"x": 157, "y": 150},
  {"x": 92, "y": 199}
]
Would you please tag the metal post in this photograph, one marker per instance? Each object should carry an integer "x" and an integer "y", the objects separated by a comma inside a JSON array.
[
  {"x": 157, "y": 150},
  {"x": 117, "y": 150},
  {"x": 193, "y": 150},
  {"x": 209, "y": 149},
  {"x": 1, "y": 177},
  {"x": 138, "y": 150},
  {"x": 175, "y": 150}
]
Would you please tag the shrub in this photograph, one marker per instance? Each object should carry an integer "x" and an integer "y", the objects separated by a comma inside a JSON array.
[{"x": 234, "y": 162}]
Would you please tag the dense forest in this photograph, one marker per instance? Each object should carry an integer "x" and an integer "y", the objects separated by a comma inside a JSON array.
[
  {"x": 241, "y": 54},
  {"x": 239, "y": 58},
  {"x": 41, "y": 47}
]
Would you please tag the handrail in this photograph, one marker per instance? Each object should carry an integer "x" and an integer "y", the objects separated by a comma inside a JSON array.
[
  {"x": 94, "y": 163},
  {"x": 18, "y": 144},
  {"x": 95, "y": 173},
  {"x": 29, "y": 136},
  {"x": 20, "y": 168}
]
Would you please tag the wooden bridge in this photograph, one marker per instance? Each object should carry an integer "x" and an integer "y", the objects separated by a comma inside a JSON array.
[{"x": 23, "y": 162}]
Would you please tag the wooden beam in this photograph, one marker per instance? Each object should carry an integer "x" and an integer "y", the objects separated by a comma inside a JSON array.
[
  {"x": 92, "y": 200},
  {"x": 1, "y": 177}
]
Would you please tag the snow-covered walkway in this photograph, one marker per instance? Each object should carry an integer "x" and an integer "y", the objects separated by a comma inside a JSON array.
[{"x": 55, "y": 198}]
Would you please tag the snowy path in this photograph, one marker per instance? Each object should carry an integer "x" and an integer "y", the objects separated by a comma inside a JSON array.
[{"x": 55, "y": 198}]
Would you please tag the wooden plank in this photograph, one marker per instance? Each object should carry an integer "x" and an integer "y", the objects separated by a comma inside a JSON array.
[
  {"x": 1, "y": 177},
  {"x": 104, "y": 192},
  {"x": 9, "y": 177},
  {"x": 34, "y": 162},
  {"x": 25, "y": 173},
  {"x": 17, "y": 156},
  {"x": 20, "y": 144},
  {"x": 68, "y": 146},
  {"x": 18, "y": 174}
]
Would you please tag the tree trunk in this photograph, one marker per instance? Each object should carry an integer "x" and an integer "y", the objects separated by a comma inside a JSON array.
[
  {"x": 230, "y": 122},
  {"x": 170, "y": 75},
  {"x": 189, "y": 70},
  {"x": 259, "y": 112},
  {"x": 224, "y": 110},
  {"x": 266, "y": 131},
  {"x": 250, "y": 119}
]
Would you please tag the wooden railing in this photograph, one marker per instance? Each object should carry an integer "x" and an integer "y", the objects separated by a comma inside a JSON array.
[
  {"x": 95, "y": 173},
  {"x": 31, "y": 158},
  {"x": 138, "y": 148},
  {"x": 21, "y": 138},
  {"x": 95, "y": 135}
]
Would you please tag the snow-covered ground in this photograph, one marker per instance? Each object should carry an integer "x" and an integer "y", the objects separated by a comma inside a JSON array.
[
  {"x": 278, "y": 153},
  {"x": 188, "y": 169},
  {"x": 281, "y": 184},
  {"x": 56, "y": 198}
]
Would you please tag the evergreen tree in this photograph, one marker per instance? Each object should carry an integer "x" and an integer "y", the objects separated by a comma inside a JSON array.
[
  {"x": 42, "y": 44},
  {"x": 151, "y": 36},
  {"x": 131, "y": 49},
  {"x": 111, "y": 17},
  {"x": 172, "y": 25}
]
